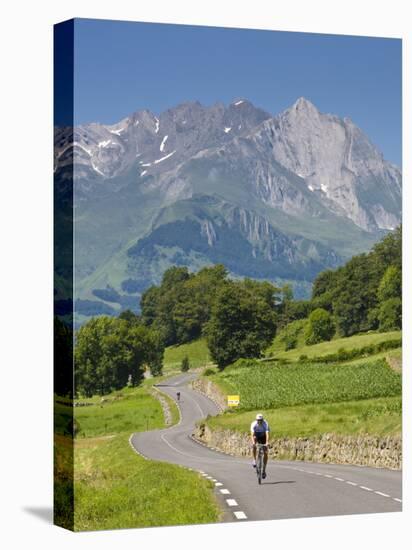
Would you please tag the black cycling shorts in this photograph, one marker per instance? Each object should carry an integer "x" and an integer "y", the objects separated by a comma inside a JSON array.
[{"x": 260, "y": 437}]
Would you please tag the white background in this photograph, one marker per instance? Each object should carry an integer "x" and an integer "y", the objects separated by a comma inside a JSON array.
[{"x": 26, "y": 270}]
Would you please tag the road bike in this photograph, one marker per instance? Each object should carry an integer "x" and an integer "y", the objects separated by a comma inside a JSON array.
[{"x": 260, "y": 447}]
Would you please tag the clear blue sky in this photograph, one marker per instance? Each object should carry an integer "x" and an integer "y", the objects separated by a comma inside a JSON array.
[{"x": 121, "y": 67}]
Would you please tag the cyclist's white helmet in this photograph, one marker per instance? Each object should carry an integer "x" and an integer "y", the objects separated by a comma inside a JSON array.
[{"x": 259, "y": 417}]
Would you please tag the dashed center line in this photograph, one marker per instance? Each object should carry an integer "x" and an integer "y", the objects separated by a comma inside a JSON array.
[{"x": 349, "y": 483}]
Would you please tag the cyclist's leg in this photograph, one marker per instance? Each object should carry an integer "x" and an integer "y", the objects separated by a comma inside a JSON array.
[
  {"x": 254, "y": 450},
  {"x": 265, "y": 458}
]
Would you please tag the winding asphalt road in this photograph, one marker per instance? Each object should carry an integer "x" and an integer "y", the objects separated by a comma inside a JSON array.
[{"x": 291, "y": 489}]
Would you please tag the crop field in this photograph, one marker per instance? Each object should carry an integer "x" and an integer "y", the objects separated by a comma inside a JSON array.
[{"x": 268, "y": 385}]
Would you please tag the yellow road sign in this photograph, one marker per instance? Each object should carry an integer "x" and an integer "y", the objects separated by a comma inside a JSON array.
[{"x": 233, "y": 400}]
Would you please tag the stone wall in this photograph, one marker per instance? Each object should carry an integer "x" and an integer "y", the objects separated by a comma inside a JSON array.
[
  {"x": 362, "y": 450},
  {"x": 208, "y": 388}
]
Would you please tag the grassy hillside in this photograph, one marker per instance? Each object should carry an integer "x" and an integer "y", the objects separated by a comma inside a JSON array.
[
  {"x": 129, "y": 411},
  {"x": 116, "y": 488},
  {"x": 196, "y": 351},
  {"x": 303, "y": 399},
  {"x": 381, "y": 416},
  {"x": 324, "y": 348},
  {"x": 268, "y": 385}
]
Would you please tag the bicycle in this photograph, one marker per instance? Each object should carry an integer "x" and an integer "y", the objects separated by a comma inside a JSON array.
[{"x": 259, "y": 460}]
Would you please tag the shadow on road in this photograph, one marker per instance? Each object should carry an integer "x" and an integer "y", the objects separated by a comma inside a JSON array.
[{"x": 276, "y": 482}]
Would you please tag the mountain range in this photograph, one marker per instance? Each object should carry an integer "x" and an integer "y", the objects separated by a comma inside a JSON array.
[{"x": 275, "y": 197}]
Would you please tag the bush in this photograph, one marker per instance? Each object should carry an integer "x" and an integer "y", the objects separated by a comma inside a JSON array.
[
  {"x": 291, "y": 333},
  {"x": 185, "y": 365},
  {"x": 320, "y": 327},
  {"x": 348, "y": 354},
  {"x": 208, "y": 372}
]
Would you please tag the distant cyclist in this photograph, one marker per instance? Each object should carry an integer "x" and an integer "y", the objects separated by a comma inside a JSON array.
[
  {"x": 178, "y": 395},
  {"x": 259, "y": 431}
]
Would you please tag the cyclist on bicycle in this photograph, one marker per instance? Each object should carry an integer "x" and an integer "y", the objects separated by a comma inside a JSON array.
[{"x": 259, "y": 431}]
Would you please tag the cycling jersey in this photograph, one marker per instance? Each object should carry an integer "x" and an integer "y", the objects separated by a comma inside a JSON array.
[{"x": 259, "y": 430}]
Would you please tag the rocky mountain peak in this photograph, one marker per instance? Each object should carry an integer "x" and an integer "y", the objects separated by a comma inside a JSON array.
[{"x": 303, "y": 105}]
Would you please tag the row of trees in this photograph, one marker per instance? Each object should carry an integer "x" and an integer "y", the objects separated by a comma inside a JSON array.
[
  {"x": 111, "y": 352},
  {"x": 239, "y": 318},
  {"x": 364, "y": 294},
  {"x": 181, "y": 305}
]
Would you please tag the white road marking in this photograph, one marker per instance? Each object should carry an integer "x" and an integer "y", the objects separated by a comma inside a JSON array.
[
  {"x": 397, "y": 499},
  {"x": 225, "y": 491},
  {"x": 231, "y": 502},
  {"x": 204, "y": 475},
  {"x": 382, "y": 494},
  {"x": 339, "y": 479},
  {"x": 218, "y": 484},
  {"x": 352, "y": 483},
  {"x": 240, "y": 515},
  {"x": 366, "y": 488},
  {"x": 327, "y": 475},
  {"x": 197, "y": 404}
]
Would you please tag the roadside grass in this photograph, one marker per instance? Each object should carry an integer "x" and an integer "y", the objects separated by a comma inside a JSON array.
[
  {"x": 269, "y": 385},
  {"x": 197, "y": 353},
  {"x": 333, "y": 346},
  {"x": 63, "y": 460},
  {"x": 135, "y": 412},
  {"x": 381, "y": 416},
  {"x": 116, "y": 488}
]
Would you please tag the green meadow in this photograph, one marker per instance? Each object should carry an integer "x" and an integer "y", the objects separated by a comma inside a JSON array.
[{"x": 114, "y": 487}]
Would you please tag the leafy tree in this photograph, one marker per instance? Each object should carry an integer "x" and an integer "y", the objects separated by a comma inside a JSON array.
[
  {"x": 390, "y": 315},
  {"x": 242, "y": 323},
  {"x": 320, "y": 327},
  {"x": 353, "y": 293},
  {"x": 185, "y": 365},
  {"x": 323, "y": 282},
  {"x": 109, "y": 350},
  {"x": 391, "y": 284},
  {"x": 130, "y": 317},
  {"x": 63, "y": 358},
  {"x": 180, "y": 307}
]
